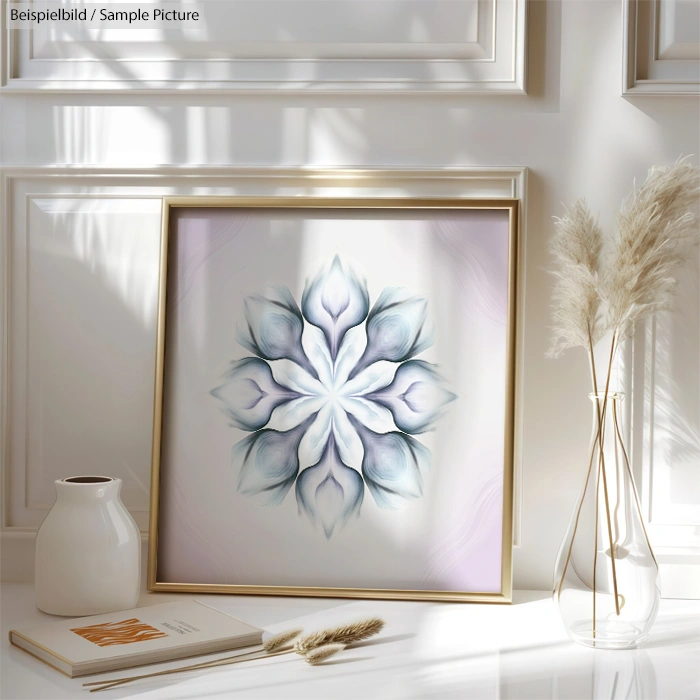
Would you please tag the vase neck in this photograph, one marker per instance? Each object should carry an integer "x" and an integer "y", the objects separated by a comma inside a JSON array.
[
  {"x": 611, "y": 398},
  {"x": 85, "y": 489},
  {"x": 607, "y": 417}
]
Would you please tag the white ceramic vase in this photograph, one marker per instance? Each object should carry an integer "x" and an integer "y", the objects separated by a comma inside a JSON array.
[{"x": 88, "y": 550}]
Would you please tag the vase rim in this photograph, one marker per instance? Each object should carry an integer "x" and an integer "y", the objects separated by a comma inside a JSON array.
[{"x": 87, "y": 480}]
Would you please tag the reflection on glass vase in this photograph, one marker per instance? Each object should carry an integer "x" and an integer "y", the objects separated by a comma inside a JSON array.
[{"x": 606, "y": 576}]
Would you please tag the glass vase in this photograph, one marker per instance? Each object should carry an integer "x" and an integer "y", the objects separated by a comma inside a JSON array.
[{"x": 606, "y": 575}]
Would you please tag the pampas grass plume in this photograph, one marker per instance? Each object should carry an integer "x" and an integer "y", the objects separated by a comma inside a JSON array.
[
  {"x": 657, "y": 228},
  {"x": 576, "y": 248}
]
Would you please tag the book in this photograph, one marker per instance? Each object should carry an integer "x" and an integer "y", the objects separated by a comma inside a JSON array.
[{"x": 147, "y": 635}]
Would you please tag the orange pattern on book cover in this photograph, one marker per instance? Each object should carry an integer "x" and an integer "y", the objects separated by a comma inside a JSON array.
[{"x": 125, "y": 632}]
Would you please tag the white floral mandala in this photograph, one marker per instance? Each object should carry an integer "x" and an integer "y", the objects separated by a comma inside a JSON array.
[{"x": 333, "y": 397}]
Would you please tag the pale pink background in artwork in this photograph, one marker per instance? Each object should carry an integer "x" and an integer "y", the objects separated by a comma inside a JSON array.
[{"x": 448, "y": 540}]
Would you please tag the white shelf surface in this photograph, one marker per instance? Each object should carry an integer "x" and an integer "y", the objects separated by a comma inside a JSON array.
[{"x": 468, "y": 651}]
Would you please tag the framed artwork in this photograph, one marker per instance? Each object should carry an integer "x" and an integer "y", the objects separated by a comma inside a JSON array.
[{"x": 334, "y": 398}]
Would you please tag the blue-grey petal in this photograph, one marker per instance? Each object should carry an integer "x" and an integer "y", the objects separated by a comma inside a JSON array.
[
  {"x": 268, "y": 463},
  {"x": 335, "y": 301},
  {"x": 273, "y": 328},
  {"x": 416, "y": 397},
  {"x": 393, "y": 466},
  {"x": 329, "y": 492},
  {"x": 250, "y": 394},
  {"x": 330, "y": 498},
  {"x": 396, "y": 328}
]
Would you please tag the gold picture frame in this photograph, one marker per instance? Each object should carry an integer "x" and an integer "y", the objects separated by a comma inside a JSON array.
[{"x": 512, "y": 207}]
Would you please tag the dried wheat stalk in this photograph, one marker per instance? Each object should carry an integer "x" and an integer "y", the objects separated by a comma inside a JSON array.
[
  {"x": 320, "y": 654},
  {"x": 336, "y": 637},
  {"x": 280, "y": 640},
  {"x": 273, "y": 647},
  {"x": 344, "y": 634}
]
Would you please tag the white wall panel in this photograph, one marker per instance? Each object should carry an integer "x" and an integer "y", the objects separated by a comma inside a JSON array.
[
  {"x": 679, "y": 30},
  {"x": 291, "y": 45},
  {"x": 81, "y": 307},
  {"x": 661, "y": 47}
]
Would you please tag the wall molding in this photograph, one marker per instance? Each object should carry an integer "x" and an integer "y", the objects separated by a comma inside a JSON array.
[
  {"x": 487, "y": 55},
  {"x": 22, "y": 184},
  {"x": 646, "y": 68},
  {"x": 676, "y": 543}
]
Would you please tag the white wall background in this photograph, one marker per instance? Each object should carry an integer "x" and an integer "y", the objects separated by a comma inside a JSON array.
[{"x": 573, "y": 130}]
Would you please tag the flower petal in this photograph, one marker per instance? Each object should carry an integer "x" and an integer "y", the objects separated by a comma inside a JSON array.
[
  {"x": 273, "y": 328},
  {"x": 374, "y": 377},
  {"x": 351, "y": 349},
  {"x": 250, "y": 394},
  {"x": 347, "y": 440},
  {"x": 314, "y": 344},
  {"x": 329, "y": 492},
  {"x": 292, "y": 414},
  {"x": 393, "y": 466},
  {"x": 371, "y": 414},
  {"x": 335, "y": 301},
  {"x": 416, "y": 397},
  {"x": 396, "y": 329},
  {"x": 296, "y": 378},
  {"x": 268, "y": 462},
  {"x": 315, "y": 437}
]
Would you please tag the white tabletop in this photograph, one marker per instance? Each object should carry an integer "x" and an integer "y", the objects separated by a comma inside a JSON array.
[{"x": 426, "y": 651}]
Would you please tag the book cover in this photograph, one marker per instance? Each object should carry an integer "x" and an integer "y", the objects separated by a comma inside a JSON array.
[{"x": 118, "y": 640}]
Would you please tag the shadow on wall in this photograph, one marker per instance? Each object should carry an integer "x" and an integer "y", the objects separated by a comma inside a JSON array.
[
  {"x": 673, "y": 392},
  {"x": 90, "y": 348},
  {"x": 671, "y": 111}
]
